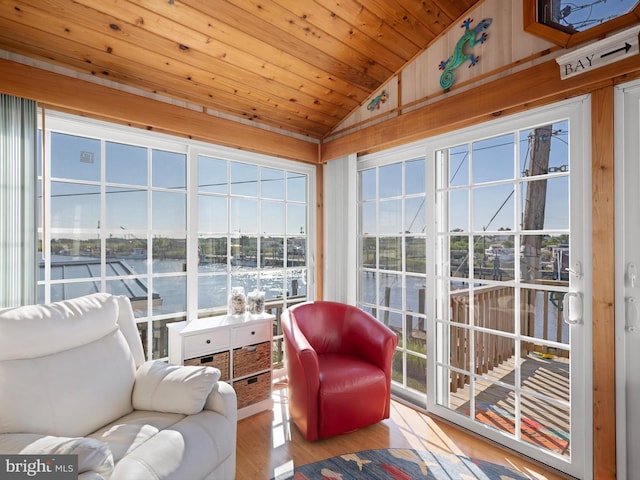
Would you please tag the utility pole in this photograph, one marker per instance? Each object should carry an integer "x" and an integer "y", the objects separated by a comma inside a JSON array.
[{"x": 534, "y": 208}]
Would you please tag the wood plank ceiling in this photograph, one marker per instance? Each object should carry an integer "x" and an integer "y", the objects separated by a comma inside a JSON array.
[{"x": 297, "y": 65}]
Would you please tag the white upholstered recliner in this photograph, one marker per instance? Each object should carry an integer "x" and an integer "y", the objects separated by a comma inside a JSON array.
[{"x": 73, "y": 380}]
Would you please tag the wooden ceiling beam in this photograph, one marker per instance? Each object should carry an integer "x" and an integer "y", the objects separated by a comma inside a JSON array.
[
  {"x": 327, "y": 23},
  {"x": 122, "y": 107},
  {"x": 516, "y": 92},
  {"x": 403, "y": 21}
]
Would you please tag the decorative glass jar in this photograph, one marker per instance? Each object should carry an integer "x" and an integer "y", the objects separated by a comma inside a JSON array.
[
  {"x": 255, "y": 302},
  {"x": 237, "y": 301}
]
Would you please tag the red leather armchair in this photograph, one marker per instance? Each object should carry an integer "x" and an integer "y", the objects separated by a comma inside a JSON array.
[{"x": 339, "y": 366}]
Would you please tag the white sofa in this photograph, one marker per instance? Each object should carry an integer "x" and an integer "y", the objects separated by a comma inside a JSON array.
[{"x": 73, "y": 380}]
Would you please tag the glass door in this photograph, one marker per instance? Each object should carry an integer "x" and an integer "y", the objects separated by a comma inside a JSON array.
[
  {"x": 627, "y": 200},
  {"x": 510, "y": 324}
]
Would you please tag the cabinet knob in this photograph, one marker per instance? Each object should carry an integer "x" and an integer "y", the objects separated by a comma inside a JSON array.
[
  {"x": 253, "y": 333},
  {"x": 208, "y": 341}
]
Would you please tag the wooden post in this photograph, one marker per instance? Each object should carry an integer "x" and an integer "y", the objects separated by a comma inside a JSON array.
[
  {"x": 408, "y": 325},
  {"x": 603, "y": 269},
  {"x": 320, "y": 232},
  {"x": 421, "y": 309},
  {"x": 387, "y": 299}
]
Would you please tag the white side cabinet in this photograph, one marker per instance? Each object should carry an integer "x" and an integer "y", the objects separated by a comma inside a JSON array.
[{"x": 238, "y": 345}]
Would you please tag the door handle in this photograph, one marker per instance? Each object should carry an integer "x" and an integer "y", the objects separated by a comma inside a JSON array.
[
  {"x": 632, "y": 314},
  {"x": 632, "y": 274},
  {"x": 576, "y": 271},
  {"x": 572, "y": 308}
]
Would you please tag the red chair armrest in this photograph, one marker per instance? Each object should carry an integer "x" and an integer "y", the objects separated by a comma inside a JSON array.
[{"x": 304, "y": 377}]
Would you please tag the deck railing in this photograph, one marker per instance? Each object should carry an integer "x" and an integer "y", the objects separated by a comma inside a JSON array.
[
  {"x": 494, "y": 310},
  {"x": 545, "y": 322}
]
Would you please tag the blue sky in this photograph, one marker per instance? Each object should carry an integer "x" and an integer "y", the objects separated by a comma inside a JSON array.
[
  {"x": 129, "y": 169},
  {"x": 485, "y": 169},
  {"x": 584, "y": 14}
]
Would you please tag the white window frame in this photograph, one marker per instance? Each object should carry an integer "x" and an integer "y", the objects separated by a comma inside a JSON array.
[{"x": 79, "y": 126}]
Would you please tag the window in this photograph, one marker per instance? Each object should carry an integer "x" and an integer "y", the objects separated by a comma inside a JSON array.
[
  {"x": 392, "y": 243},
  {"x": 571, "y": 22},
  {"x": 252, "y": 232},
  {"x": 171, "y": 224}
]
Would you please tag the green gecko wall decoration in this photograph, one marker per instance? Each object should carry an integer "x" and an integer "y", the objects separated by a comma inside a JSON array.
[
  {"x": 377, "y": 101},
  {"x": 470, "y": 38}
]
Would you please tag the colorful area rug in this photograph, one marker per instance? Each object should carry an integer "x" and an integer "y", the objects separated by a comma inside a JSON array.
[{"x": 402, "y": 464}]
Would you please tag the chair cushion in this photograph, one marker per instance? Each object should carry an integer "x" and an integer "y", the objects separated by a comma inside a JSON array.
[
  {"x": 323, "y": 325},
  {"x": 353, "y": 393},
  {"x": 69, "y": 393},
  {"x": 72, "y": 364},
  {"x": 173, "y": 388},
  {"x": 153, "y": 445},
  {"x": 127, "y": 433},
  {"x": 38, "y": 330},
  {"x": 128, "y": 327}
]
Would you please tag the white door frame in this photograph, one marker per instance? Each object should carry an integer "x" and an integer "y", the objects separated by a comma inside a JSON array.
[
  {"x": 577, "y": 110},
  {"x": 627, "y": 291}
]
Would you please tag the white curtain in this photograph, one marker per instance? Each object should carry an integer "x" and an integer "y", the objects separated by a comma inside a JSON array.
[
  {"x": 18, "y": 180},
  {"x": 340, "y": 230}
]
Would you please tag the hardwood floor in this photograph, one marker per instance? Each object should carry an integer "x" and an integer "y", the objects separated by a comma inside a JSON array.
[{"x": 269, "y": 444}]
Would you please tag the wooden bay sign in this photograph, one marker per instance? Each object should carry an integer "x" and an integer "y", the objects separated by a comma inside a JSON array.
[{"x": 597, "y": 54}]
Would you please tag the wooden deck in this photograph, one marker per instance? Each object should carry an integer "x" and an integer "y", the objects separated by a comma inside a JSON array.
[{"x": 544, "y": 422}]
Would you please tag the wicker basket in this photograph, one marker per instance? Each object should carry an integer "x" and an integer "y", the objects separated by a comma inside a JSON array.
[
  {"x": 217, "y": 360},
  {"x": 253, "y": 389},
  {"x": 251, "y": 359}
]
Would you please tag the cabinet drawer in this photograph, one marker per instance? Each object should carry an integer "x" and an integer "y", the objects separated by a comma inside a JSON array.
[
  {"x": 251, "y": 334},
  {"x": 253, "y": 389},
  {"x": 217, "y": 360},
  {"x": 205, "y": 342},
  {"x": 251, "y": 359}
]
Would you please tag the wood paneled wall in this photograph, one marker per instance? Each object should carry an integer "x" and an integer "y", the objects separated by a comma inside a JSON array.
[{"x": 507, "y": 47}]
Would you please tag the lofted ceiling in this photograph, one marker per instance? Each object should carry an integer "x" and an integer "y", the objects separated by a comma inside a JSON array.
[{"x": 297, "y": 65}]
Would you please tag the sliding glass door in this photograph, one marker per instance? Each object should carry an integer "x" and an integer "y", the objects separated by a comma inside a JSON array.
[{"x": 499, "y": 217}]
